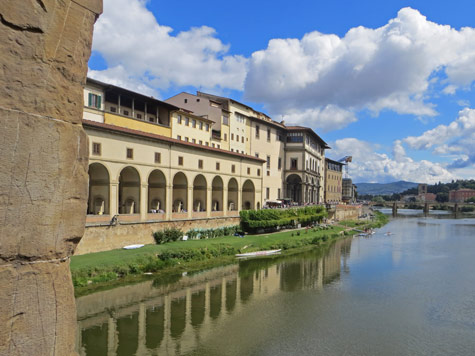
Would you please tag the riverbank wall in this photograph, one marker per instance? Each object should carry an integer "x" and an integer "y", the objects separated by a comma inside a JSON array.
[
  {"x": 344, "y": 212},
  {"x": 99, "y": 238}
]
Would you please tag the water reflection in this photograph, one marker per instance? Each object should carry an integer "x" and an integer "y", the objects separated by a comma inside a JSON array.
[{"x": 158, "y": 318}]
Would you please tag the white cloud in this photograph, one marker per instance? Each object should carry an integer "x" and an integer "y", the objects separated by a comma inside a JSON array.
[
  {"x": 370, "y": 166},
  {"x": 394, "y": 67},
  {"x": 323, "y": 119},
  {"x": 136, "y": 47}
]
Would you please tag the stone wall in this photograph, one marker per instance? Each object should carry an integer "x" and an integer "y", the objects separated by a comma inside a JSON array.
[
  {"x": 345, "y": 212},
  {"x": 44, "y": 49},
  {"x": 105, "y": 238}
]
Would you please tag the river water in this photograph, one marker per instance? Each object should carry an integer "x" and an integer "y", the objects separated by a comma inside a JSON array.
[{"x": 410, "y": 293}]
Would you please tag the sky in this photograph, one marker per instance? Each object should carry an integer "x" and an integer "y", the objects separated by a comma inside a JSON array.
[{"x": 390, "y": 83}]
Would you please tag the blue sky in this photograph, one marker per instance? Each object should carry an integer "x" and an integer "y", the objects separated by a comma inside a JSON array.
[{"x": 389, "y": 82}]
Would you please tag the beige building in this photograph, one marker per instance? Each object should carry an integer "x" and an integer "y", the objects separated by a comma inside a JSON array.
[
  {"x": 146, "y": 177},
  {"x": 333, "y": 181},
  {"x": 171, "y": 159}
]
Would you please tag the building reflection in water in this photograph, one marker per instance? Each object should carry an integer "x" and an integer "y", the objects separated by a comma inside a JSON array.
[{"x": 152, "y": 318}]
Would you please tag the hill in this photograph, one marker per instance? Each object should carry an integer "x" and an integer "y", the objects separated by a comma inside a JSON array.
[{"x": 384, "y": 188}]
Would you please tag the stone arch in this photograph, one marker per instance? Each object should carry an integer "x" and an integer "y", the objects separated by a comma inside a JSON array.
[
  {"x": 157, "y": 192},
  {"x": 248, "y": 195},
  {"x": 233, "y": 192},
  {"x": 217, "y": 194},
  {"x": 294, "y": 188},
  {"x": 200, "y": 190},
  {"x": 129, "y": 191},
  {"x": 99, "y": 196},
  {"x": 180, "y": 190}
]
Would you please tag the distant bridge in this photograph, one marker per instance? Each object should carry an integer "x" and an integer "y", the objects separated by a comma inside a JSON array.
[{"x": 426, "y": 206}]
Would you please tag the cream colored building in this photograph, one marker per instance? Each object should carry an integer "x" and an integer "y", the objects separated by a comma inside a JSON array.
[
  {"x": 193, "y": 156},
  {"x": 333, "y": 181}
]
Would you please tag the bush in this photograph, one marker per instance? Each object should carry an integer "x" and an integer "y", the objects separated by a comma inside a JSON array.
[
  {"x": 271, "y": 219},
  {"x": 212, "y": 233},
  {"x": 167, "y": 235}
]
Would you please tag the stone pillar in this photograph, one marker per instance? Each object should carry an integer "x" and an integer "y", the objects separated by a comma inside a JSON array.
[
  {"x": 143, "y": 201},
  {"x": 44, "y": 49},
  {"x": 169, "y": 202},
  {"x": 209, "y": 200},
  {"x": 189, "y": 205},
  {"x": 225, "y": 202},
  {"x": 114, "y": 198}
]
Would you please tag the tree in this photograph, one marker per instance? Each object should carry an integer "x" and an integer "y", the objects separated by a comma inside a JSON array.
[{"x": 442, "y": 197}]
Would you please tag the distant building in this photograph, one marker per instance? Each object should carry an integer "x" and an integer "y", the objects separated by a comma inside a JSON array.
[
  {"x": 422, "y": 189},
  {"x": 333, "y": 181},
  {"x": 459, "y": 196},
  {"x": 348, "y": 191}
]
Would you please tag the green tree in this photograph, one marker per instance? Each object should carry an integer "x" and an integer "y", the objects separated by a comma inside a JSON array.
[{"x": 442, "y": 197}]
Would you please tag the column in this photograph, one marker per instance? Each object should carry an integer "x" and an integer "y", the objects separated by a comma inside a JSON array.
[
  {"x": 209, "y": 201},
  {"x": 114, "y": 198},
  {"x": 225, "y": 201},
  {"x": 168, "y": 202},
  {"x": 239, "y": 202},
  {"x": 189, "y": 205},
  {"x": 142, "y": 348},
  {"x": 143, "y": 201}
]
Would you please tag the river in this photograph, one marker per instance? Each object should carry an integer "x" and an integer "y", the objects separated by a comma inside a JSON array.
[{"x": 410, "y": 293}]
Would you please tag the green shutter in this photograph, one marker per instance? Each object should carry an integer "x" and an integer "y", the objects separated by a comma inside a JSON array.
[
  {"x": 98, "y": 102},
  {"x": 90, "y": 100}
]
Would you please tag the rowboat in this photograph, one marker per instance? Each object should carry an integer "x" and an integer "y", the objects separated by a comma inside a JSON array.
[
  {"x": 258, "y": 253},
  {"x": 132, "y": 247}
]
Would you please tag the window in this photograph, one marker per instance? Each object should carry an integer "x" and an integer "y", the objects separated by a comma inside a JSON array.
[
  {"x": 212, "y": 145},
  {"x": 187, "y": 139},
  {"x": 242, "y": 139},
  {"x": 207, "y": 143},
  {"x": 248, "y": 170},
  {"x": 225, "y": 137},
  {"x": 233, "y": 168},
  {"x": 217, "y": 166},
  {"x": 232, "y": 149},
  {"x": 186, "y": 101},
  {"x": 139, "y": 116},
  {"x": 240, "y": 118},
  {"x": 258, "y": 172},
  {"x": 268, "y": 162},
  {"x": 207, "y": 127},
  {"x": 268, "y": 135},
  {"x": 130, "y": 153},
  {"x": 158, "y": 157},
  {"x": 193, "y": 140},
  {"x": 187, "y": 121},
  {"x": 257, "y": 155},
  {"x": 151, "y": 119},
  {"x": 278, "y": 193},
  {"x": 279, "y": 163},
  {"x": 180, "y": 160},
  {"x": 198, "y": 100},
  {"x": 295, "y": 137},
  {"x": 113, "y": 109},
  {"x": 267, "y": 193},
  {"x": 200, "y": 164},
  {"x": 96, "y": 148},
  {"x": 201, "y": 125},
  {"x": 293, "y": 163},
  {"x": 126, "y": 112},
  {"x": 232, "y": 136},
  {"x": 225, "y": 119},
  {"x": 193, "y": 123},
  {"x": 219, "y": 146},
  {"x": 201, "y": 142},
  {"x": 95, "y": 101},
  {"x": 237, "y": 138},
  {"x": 268, "y": 173},
  {"x": 178, "y": 137},
  {"x": 257, "y": 131},
  {"x": 178, "y": 119}
]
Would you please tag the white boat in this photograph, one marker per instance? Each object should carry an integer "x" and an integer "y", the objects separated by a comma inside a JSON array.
[
  {"x": 132, "y": 247},
  {"x": 259, "y": 253}
]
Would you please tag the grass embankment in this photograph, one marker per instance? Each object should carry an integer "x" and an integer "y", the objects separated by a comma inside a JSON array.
[{"x": 180, "y": 256}]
